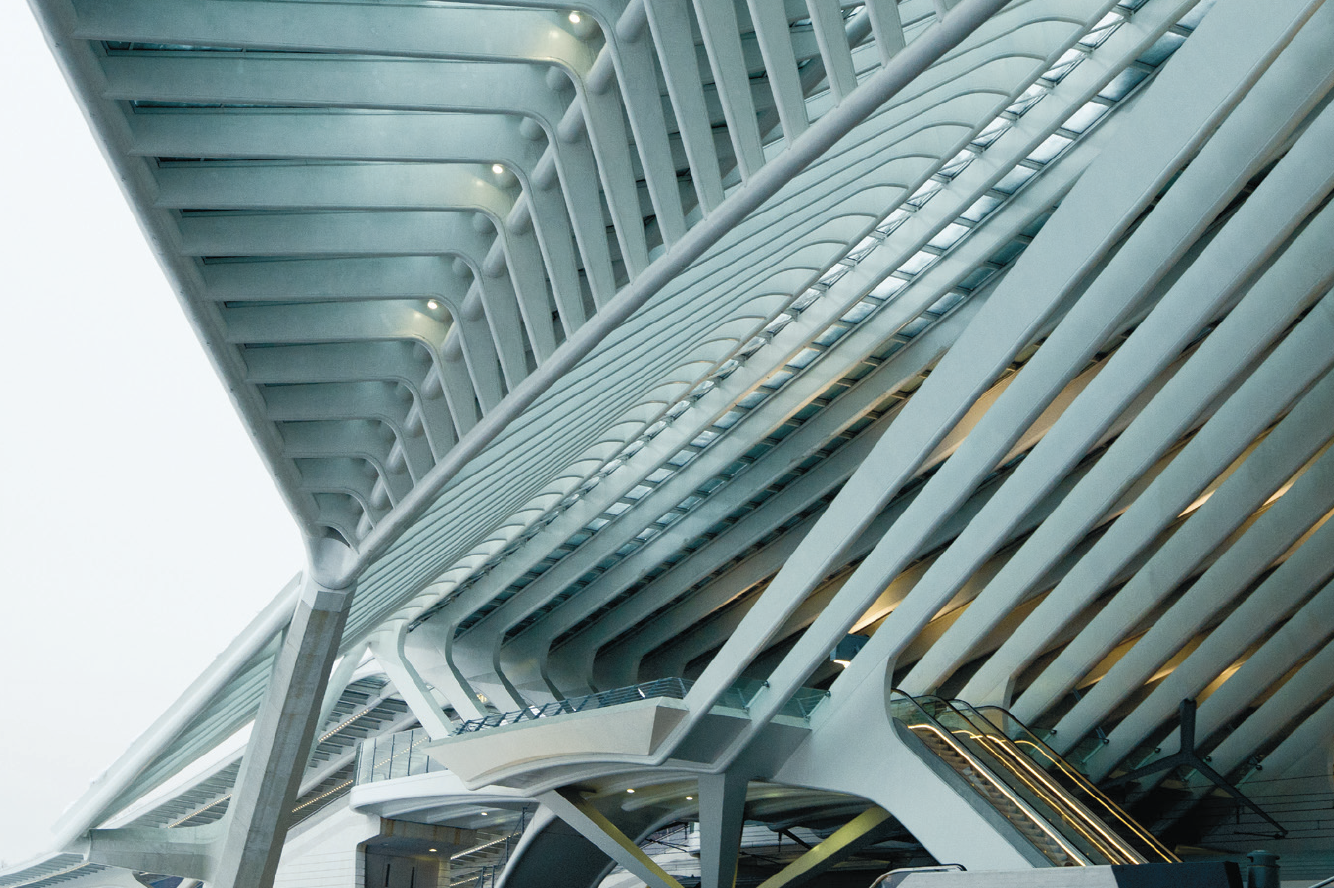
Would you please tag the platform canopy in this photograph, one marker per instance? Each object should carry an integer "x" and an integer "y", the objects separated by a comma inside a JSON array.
[{"x": 603, "y": 342}]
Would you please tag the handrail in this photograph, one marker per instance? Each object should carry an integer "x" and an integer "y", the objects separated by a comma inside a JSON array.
[
  {"x": 1072, "y": 811},
  {"x": 389, "y": 756},
  {"x": 1029, "y": 743},
  {"x": 989, "y": 775},
  {"x": 1029, "y": 768},
  {"x": 670, "y": 688},
  {"x": 800, "y": 705},
  {"x": 981, "y": 772}
]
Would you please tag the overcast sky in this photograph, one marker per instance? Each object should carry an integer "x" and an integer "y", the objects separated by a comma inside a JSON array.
[{"x": 141, "y": 532}]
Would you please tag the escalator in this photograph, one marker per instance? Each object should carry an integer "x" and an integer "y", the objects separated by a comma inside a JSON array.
[{"x": 1044, "y": 797}]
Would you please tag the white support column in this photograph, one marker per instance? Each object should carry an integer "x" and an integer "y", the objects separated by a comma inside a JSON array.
[
  {"x": 1311, "y": 682},
  {"x": 1310, "y": 566},
  {"x": 1273, "y": 461},
  {"x": 1264, "y": 542},
  {"x": 189, "y": 852},
  {"x": 387, "y": 647},
  {"x": 670, "y": 25},
  {"x": 887, "y": 27},
  {"x": 1103, "y": 204},
  {"x": 722, "y": 809},
  {"x": 440, "y": 634},
  {"x": 280, "y": 740},
  {"x": 589, "y": 822},
  {"x": 722, "y": 41},
  {"x": 1309, "y": 627}
]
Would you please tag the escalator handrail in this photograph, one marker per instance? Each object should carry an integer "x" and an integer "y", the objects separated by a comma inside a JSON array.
[
  {"x": 930, "y": 721},
  {"x": 1084, "y": 783},
  {"x": 1092, "y": 826},
  {"x": 1064, "y": 809}
]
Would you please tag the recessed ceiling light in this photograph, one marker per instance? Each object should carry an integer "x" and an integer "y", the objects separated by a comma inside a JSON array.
[
  {"x": 497, "y": 169},
  {"x": 432, "y": 304},
  {"x": 486, "y": 814},
  {"x": 575, "y": 18},
  {"x": 690, "y": 798},
  {"x": 432, "y": 850},
  {"x": 630, "y": 791}
]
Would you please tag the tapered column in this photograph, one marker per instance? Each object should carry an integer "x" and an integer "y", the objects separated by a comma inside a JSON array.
[
  {"x": 722, "y": 809},
  {"x": 279, "y": 745}
]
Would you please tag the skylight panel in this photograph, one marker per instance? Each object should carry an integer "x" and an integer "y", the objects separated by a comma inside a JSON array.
[
  {"x": 1011, "y": 181},
  {"x": 728, "y": 419},
  {"x": 888, "y": 287},
  {"x": 924, "y": 193},
  {"x": 833, "y": 334},
  {"x": 1162, "y": 49},
  {"x": 991, "y": 132},
  {"x": 803, "y": 358},
  {"x": 957, "y": 164},
  {"x": 917, "y": 262},
  {"x": 778, "y": 323},
  {"x": 1031, "y": 97},
  {"x": 981, "y": 208},
  {"x": 1065, "y": 64},
  {"x": 858, "y": 312},
  {"x": 704, "y": 439},
  {"x": 1121, "y": 85},
  {"x": 830, "y": 277},
  {"x": 753, "y": 400},
  {"x": 948, "y": 236},
  {"x": 945, "y": 303},
  {"x": 806, "y": 299},
  {"x": 914, "y": 327},
  {"x": 1050, "y": 147},
  {"x": 892, "y": 221},
  {"x": 1085, "y": 117},
  {"x": 863, "y": 248}
]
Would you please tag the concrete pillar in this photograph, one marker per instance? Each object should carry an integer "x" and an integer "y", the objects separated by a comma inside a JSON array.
[
  {"x": 280, "y": 741},
  {"x": 722, "y": 809}
]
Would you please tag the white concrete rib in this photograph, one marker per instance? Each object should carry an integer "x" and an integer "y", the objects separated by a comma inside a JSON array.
[{"x": 714, "y": 440}]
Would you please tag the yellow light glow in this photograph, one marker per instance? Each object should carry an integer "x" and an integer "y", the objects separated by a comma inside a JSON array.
[
  {"x": 432, "y": 850},
  {"x": 690, "y": 798},
  {"x": 844, "y": 663},
  {"x": 631, "y": 791}
]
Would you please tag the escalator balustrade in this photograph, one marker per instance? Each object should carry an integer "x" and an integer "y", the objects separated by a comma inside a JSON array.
[{"x": 1044, "y": 797}]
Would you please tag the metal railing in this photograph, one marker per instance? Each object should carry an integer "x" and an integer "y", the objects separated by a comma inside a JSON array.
[
  {"x": 389, "y": 756},
  {"x": 672, "y": 688},
  {"x": 739, "y": 696}
]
